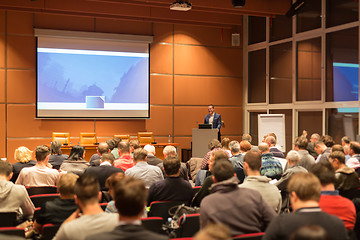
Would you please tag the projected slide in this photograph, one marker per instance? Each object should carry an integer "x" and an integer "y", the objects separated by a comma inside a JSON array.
[
  {"x": 92, "y": 83},
  {"x": 346, "y": 85}
]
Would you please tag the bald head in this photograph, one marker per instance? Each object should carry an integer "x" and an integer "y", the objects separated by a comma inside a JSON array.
[{"x": 103, "y": 147}]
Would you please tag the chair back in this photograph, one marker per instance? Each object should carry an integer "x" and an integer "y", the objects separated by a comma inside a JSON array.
[
  {"x": 61, "y": 137},
  {"x": 153, "y": 224},
  {"x": 161, "y": 209},
  {"x": 40, "y": 199},
  {"x": 189, "y": 225},
  {"x": 41, "y": 190},
  {"x": 13, "y": 231},
  {"x": 196, "y": 189},
  {"x": 145, "y": 137},
  {"x": 87, "y": 138},
  {"x": 8, "y": 219},
  {"x": 103, "y": 206},
  {"x": 123, "y": 137},
  {"x": 49, "y": 231},
  {"x": 249, "y": 236}
]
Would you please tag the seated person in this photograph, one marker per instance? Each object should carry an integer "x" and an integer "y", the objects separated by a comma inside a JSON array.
[
  {"x": 110, "y": 184},
  {"x": 23, "y": 156},
  {"x": 58, "y": 210},
  {"x": 76, "y": 162},
  {"x": 172, "y": 188},
  {"x": 130, "y": 200},
  {"x": 170, "y": 151},
  {"x": 151, "y": 158},
  {"x": 270, "y": 167},
  {"x": 125, "y": 161},
  {"x": 102, "y": 148},
  {"x": 214, "y": 145},
  {"x": 56, "y": 158},
  {"x": 13, "y": 198},
  {"x": 40, "y": 174}
]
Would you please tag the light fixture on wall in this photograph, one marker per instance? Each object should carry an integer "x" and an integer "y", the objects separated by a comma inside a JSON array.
[
  {"x": 238, "y": 3},
  {"x": 180, "y": 5}
]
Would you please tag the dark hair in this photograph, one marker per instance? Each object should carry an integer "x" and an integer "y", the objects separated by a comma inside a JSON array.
[
  {"x": 355, "y": 146},
  {"x": 124, "y": 147},
  {"x": 117, "y": 140},
  {"x": 338, "y": 155},
  {"x": 220, "y": 154},
  {"x": 113, "y": 179},
  {"x": 253, "y": 159},
  {"x": 223, "y": 170},
  {"x": 225, "y": 143},
  {"x": 345, "y": 139},
  {"x": 135, "y": 143},
  {"x": 301, "y": 142},
  {"x": 325, "y": 172},
  {"x": 103, "y": 148},
  {"x": 41, "y": 152},
  {"x": 5, "y": 168},
  {"x": 337, "y": 147},
  {"x": 87, "y": 188},
  {"x": 327, "y": 140},
  {"x": 55, "y": 148},
  {"x": 171, "y": 165},
  {"x": 111, "y": 143},
  {"x": 140, "y": 154},
  {"x": 130, "y": 196},
  {"x": 77, "y": 152},
  {"x": 210, "y": 105},
  {"x": 214, "y": 143},
  {"x": 108, "y": 157}
]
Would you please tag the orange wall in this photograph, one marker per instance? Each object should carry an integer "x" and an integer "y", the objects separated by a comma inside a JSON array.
[{"x": 190, "y": 67}]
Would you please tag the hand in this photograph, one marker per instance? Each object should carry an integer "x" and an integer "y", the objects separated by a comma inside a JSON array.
[{"x": 73, "y": 216}]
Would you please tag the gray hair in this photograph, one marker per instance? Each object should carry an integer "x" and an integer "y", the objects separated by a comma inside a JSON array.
[
  {"x": 234, "y": 146},
  {"x": 293, "y": 156},
  {"x": 150, "y": 148},
  {"x": 170, "y": 150}
]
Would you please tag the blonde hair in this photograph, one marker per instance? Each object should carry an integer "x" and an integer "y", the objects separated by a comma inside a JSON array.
[{"x": 23, "y": 154}]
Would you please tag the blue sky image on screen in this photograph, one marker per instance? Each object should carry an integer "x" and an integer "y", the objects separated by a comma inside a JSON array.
[
  {"x": 346, "y": 81},
  {"x": 69, "y": 77}
]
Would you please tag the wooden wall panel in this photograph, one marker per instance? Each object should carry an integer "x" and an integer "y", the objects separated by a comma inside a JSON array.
[
  {"x": 21, "y": 86},
  {"x": 21, "y": 122},
  {"x": 202, "y": 36},
  {"x": 2, "y": 21},
  {"x": 232, "y": 117},
  {"x": 185, "y": 142},
  {"x": 19, "y": 23},
  {"x": 111, "y": 127},
  {"x": 2, "y": 131},
  {"x": 2, "y": 86},
  {"x": 21, "y": 52},
  {"x": 64, "y": 22},
  {"x": 13, "y": 144},
  {"x": 2, "y": 50},
  {"x": 200, "y": 60},
  {"x": 160, "y": 121},
  {"x": 187, "y": 118},
  {"x": 191, "y": 90},
  {"x": 163, "y": 33},
  {"x": 161, "y": 58},
  {"x": 161, "y": 87},
  {"x": 123, "y": 27}
]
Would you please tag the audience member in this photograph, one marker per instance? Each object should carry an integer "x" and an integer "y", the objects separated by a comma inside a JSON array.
[
  {"x": 151, "y": 158},
  {"x": 214, "y": 232},
  {"x": 142, "y": 170},
  {"x": 170, "y": 151},
  {"x": 271, "y": 142},
  {"x": 130, "y": 198},
  {"x": 110, "y": 184},
  {"x": 59, "y": 209},
  {"x": 323, "y": 151},
  {"x": 105, "y": 169},
  {"x": 247, "y": 137},
  {"x": 214, "y": 145},
  {"x": 102, "y": 148},
  {"x": 76, "y": 162},
  {"x": 304, "y": 189},
  {"x": 346, "y": 177},
  {"x": 245, "y": 146},
  {"x": 225, "y": 145},
  {"x": 13, "y": 198},
  {"x": 354, "y": 160},
  {"x": 40, "y": 174},
  {"x": 330, "y": 201},
  {"x": 271, "y": 167},
  {"x": 311, "y": 146},
  {"x": 327, "y": 140},
  {"x": 125, "y": 161},
  {"x": 172, "y": 188},
  {"x": 56, "y": 158},
  {"x": 306, "y": 160},
  {"x": 89, "y": 218},
  {"x": 253, "y": 180},
  {"x": 243, "y": 210},
  {"x": 273, "y": 135},
  {"x": 134, "y": 144},
  {"x": 236, "y": 156},
  {"x": 23, "y": 156},
  {"x": 345, "y": 142},
  {"x": 115, "y": 150},
  {"x": 337, "y": 147}
]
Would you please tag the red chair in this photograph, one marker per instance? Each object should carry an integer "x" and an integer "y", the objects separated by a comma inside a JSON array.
[
  {"x": 8, "y": 219},
  {"x": 49, "y": 231},
  {"x": 189, "y": 225},
  {"x": 249, "y": 236},
  {"x": 161, "y": 208},
  {"x": 41, "y": 190},
  {"x": 13, "y": 231},
  {"x": 40, "y": 199},
  {"x": 153, "y": 224},
  {"x": 196, "y": 189},
  {"x": 103, "y": 206}
]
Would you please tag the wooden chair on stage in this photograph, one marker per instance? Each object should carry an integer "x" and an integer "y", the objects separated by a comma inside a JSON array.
[
  {"x": 88, "y": 138},
  {"x": 145, "y": 137},
  {"x": 63, "y": 138}
]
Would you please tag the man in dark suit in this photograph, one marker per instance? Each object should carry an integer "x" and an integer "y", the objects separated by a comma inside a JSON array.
[
  {"x": 130, "y": 199},
  {"x": 214, "y": 119},
  {"x": 105, "y": 169}
]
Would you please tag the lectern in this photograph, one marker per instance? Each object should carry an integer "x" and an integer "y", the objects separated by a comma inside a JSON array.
[{"x": 200, "y": 141}]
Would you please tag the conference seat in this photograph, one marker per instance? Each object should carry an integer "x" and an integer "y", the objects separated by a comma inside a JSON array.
[
  {"x": 161, "y": 208},
  {"x": 153, "y": 224},
  {"x": 189, "y": 225},
  {"x": 196, "y": 189},
  {"x": 123, "y": 137},
  {"x": 249, "y": 236},
  {"x": 103, "y": 206},
  {"x": 41, "y": 190},
  {"x": 49, "y": 231},
  {"x": 40, "y": 199},
  {"x": 145, "y": 137},
  {"x": 8, "y": 219},
  {"x": 12, "y": 231},
  {"x": 88, "y": 138},
  {"x": 63, "y": 138}
]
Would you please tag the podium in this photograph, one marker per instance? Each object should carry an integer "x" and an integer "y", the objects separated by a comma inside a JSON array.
[{"x": 200, "y": 141}]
